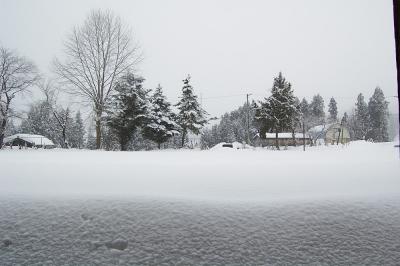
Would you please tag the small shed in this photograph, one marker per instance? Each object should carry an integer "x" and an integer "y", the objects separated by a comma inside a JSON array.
[
  {"x": 330, "y": 134},
  {"x": 284, "y": 139},
  {"x": 29, "y": 140}
]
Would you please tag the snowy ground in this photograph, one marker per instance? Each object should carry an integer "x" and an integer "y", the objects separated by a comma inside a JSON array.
[{"x": 330, "y": 205}]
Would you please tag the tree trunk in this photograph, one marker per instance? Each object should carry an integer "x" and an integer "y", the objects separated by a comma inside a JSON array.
[
  {"x": 183, "y": 139},
  {"x": 294, "y": 138},
  {"x": 276, "y": 140},
  {"x": 64, "y": 137},
  {"x": 98, "y": 128},
  {"x": 123, "y": 144},
  {"x": 2, "y": 129},
  {"x": 159, "y": 146},
  {"x": 4, "y": 122},
  {"x": 124, "y": 147}
]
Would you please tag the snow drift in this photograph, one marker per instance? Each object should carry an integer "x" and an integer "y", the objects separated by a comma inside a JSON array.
[{"x": 360, "y": 169}]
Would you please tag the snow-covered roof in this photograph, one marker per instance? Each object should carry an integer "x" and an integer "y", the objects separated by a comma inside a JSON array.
[
  {"x": 320, "y": 130},
  {"x": 31, "y": 138},
  {"x": 285, "y": 135}
]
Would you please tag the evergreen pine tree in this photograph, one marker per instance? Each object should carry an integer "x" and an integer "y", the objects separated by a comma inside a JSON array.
[
  {"x": 345, "y": 119},
  {"x": 279, "y": 110},
  {"x": 333, "y": 112},
  {"x": 191, "y": 117},
  {"x": 40, "y": 120},
  {"x": 226, "y": 129},
  {"x": 317, "y": 110},
  {"x": 378, "y": 114},
  {"x": 160, "y": 125},
  {"x": 360, "y": 123},
  {"x": 91, "y": 138},
  {"x": 77, "y": 133},
  {"x": 127, "y": 110}
]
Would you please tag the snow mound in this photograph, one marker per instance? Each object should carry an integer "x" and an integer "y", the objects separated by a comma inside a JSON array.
[{"x": 230, "y": 146}]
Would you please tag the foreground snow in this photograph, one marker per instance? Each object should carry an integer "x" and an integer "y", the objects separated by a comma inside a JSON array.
[
  {"x": 76, "y": 232},
  {"x": 360, "y": 169}
]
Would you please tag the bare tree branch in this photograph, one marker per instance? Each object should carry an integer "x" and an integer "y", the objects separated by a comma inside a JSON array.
[
  {"x": 17, "y": 74},
  {"x": 97, "y": 53}
]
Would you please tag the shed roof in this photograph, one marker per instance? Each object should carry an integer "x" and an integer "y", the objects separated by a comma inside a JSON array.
[
  {"x": 31, "y": 138},
  {"x": 285, "y": 135}
]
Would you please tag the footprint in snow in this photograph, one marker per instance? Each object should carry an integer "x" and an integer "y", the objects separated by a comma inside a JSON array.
[{"x": 118, "y": 244}]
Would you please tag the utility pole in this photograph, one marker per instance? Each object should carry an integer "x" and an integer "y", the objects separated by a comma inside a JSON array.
[{"x": 248, "y": 118}]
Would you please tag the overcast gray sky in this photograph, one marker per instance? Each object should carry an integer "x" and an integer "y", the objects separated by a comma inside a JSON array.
[{"x": 336, "y": 48}]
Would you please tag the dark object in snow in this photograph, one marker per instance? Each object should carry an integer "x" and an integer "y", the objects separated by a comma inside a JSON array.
[
  {"x": 7, "y": 242},
  {"x": 95, "y": 245},
  {"x": 227, "y": 145},
  {"x": 86, "y": 217},
  {"x": 117, "y": 244}
]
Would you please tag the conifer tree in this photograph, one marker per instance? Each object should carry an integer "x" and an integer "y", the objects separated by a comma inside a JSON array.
[
  {"x": 191, "y": 117},
  {"x": 40, "y": 120},
  {"x": 278, "y": 111},
  {"x": 345, "y": 119},
  {"x": 160, "y": 125},
  {"x": 333, "y": 112},
  {"x": 317, "y": 110},
  {"x": 77, "y": 132},
  {"x": 127, "y": 110},
  {"x": 378, "y": 114},
  {"x": 361, "y": 119}
]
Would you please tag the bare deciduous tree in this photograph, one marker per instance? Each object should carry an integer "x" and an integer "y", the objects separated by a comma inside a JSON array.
[
  {"x": 97, "y": 53},
  {"x": 63, "y": 120},
  {"x": 17, "y": 74}
]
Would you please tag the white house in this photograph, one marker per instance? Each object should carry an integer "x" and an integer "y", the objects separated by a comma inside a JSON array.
[{"x": 330, "y": 134}]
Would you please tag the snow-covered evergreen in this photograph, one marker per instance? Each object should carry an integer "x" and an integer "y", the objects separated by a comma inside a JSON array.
[
  {"x": 77, "y": 132},
  {"x": 128, "y": 108},
  {"x": 40, "y": 120},
  {"x": 317, "y": 110},
  {"x": 191, "y": 117},
  {"x": 160, "y": 125},
  {"x": 333, "y": 111},
  {"x": 360, "y": 121},
  {"x": 345, "y": 119},
  {"x": 378, "y": 115},
  {"x": 280, "y": 111}
]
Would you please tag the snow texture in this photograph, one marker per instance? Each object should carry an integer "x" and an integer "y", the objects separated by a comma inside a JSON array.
[{"x": 45, "y": 232}]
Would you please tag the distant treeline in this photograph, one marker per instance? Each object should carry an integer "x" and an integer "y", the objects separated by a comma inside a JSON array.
[{"x": 283, "y": 112}]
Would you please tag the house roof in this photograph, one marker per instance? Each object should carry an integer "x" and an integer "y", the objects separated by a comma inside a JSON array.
[
  {"x": 319, "y": 131},
  {"x": 31, "y": 138},
  {"x": 285, "y": 135}
]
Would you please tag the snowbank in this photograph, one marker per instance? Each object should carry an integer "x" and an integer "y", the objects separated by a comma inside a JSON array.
[
  {"x": 359, "y": 169},
  {"x": 231, "y": 146}
]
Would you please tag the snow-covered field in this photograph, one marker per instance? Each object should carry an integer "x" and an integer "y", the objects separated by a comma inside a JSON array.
[{"x": 329, "y": 205}]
